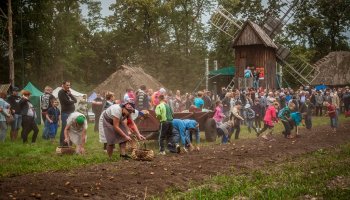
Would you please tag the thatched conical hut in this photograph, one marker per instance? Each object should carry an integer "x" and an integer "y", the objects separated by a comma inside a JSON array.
[
  {"x": 334, "y": 69},
  {"x": 127, "y": 77}
]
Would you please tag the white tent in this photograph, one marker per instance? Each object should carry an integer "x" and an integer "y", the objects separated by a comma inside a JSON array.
[{"x": 75, "y": 93}]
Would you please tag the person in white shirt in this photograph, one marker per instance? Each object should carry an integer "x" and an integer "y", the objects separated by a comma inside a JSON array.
[{"x": 75, "y": 131}]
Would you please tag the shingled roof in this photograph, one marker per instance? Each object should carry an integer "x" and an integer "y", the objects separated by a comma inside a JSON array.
[
  {"x": 253, "y": 34},
  {"x": 127, "y": 77},
  {"x": 334, "y": 69}
]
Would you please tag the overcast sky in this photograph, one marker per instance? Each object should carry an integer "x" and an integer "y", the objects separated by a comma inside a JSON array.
[{"x": 105, "y": 7}]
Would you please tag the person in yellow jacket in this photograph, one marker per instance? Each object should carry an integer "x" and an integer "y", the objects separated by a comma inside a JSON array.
[{"x": 165, "y": 115}]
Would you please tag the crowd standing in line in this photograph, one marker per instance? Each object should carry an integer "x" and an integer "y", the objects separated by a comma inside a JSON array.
[{"x": 257, "y": 108}]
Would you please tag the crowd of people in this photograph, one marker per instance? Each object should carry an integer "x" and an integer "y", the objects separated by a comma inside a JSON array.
[
  {"x": 261, "y": 109},
  {"x": 257, "y": 108}
]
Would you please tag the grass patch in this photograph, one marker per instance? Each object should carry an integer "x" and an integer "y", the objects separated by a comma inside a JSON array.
[
  {"x": 321, "y": 174},
  {"x": 17, "y": 158}
]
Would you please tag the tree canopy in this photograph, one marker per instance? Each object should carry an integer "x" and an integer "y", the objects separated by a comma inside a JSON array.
[{"x": 54, "y": 41}]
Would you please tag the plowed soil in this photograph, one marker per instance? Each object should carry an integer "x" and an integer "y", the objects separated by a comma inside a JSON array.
[{"x": 135, "y": 179}]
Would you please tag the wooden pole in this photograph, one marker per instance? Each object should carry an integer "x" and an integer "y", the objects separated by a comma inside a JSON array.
[
  {"x": 11, "y": 60},
  {"x": 206, "y": 73}
]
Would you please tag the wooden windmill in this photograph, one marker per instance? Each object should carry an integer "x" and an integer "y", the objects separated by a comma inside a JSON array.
[{"x": 255, "y": 45}]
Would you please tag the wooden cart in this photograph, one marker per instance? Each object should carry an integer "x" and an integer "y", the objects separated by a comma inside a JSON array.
[{"x": 149, "y": 127}]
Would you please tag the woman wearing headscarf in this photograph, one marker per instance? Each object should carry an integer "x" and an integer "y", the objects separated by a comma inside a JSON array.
[
  {"x": 112, "y": 126},
  {"x": 75, "y": 131}
]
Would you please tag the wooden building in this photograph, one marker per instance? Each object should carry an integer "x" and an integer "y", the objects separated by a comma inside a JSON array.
[{"x": 253, "y": 47}]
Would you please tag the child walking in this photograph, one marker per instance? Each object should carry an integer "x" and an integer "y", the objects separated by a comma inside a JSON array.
[
  {"x": 250, "y": 117},
  {"x": 284, "y": 115},
  {"x": 219, "y": 114},
  {"x": 237, "y": 118},
  {"x": 270, "y": 119},
  {"x": 53, "y": 116},
  {"x": 296, "y": 121},
  {"x": 258, "y": 109},
  {"x": 331, "y": 111},
  {"x": 306, "y": 111}
]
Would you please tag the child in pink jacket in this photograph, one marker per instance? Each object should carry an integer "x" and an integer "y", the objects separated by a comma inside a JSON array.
[
  {"x": 269, "y": 120},
  {"x": 219, "y": 115}
]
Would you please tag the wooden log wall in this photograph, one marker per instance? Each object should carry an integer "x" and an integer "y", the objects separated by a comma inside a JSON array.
[{"x": 258, "y": 56}]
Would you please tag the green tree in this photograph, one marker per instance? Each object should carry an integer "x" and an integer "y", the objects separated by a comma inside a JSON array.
[{"x": 321, "y": 26}]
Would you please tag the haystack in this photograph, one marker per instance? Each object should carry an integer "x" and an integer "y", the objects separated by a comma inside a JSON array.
[
  {"x": 334, "y": 69},
  {"x": 127, "y": 77}
]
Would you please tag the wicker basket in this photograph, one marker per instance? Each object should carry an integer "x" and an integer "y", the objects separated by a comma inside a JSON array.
[
  {"x": 61, "y": 150},
  {"x": 143, "y": 154},
  {"x": 131, "y": 145}
]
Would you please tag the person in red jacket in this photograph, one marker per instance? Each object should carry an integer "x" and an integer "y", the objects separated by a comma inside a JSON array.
[
  {"x": 269, "y": 120},
  {"x": 331, "y": 112}
]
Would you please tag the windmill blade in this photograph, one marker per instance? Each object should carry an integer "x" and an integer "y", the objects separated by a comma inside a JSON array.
[
  {"x": 224, "y": 21},
  {"x": 300, "y": 70},
  {"x": 273, "y": 24},
  {"x": 282, "y": 52}
]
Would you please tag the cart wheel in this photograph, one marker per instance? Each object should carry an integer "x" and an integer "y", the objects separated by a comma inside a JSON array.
[{"x": 210, "y": 130}]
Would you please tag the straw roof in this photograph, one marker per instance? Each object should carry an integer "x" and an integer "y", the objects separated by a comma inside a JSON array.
[
  {"x": 334, "y": 69},
  {"x": 127, "y": 77}
]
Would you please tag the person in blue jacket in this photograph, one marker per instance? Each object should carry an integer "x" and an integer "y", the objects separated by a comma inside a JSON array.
[
  {"x": 179, "y": 133},
  {"x": 192, "y": 126},
  {"x": 296, "y": 121}
]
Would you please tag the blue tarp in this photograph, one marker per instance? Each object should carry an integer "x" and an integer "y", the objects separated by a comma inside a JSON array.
[
  {"x": 92, "y": 97},
  {"x": 320, "y": 87}
]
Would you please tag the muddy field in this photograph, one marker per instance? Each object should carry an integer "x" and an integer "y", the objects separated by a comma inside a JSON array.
[{"x": 135, "y": 179}]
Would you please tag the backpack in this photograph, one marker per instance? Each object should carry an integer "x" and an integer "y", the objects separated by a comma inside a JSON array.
[
  {"x": 247, "y": 74},
  {"x": 141, "y": 100},
  {"x": 250, "y": 113},
  {"x": 45, "y": 101},
  {"x": 280, "y": 113}
]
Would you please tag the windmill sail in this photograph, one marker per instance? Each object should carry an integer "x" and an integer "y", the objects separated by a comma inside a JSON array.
[
  {"x": 301, "y": 70},
  {"x": 274, "y": 22},
  {"x": 225, "y": 22}
]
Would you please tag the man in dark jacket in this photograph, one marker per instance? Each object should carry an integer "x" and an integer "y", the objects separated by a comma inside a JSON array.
[
  {"x": 13, "y": 100},
  {"x": 67, "y": 101},
  {"x": 207, "y": 100},
  {"x": 346, "y": 99}
]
